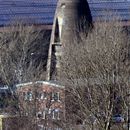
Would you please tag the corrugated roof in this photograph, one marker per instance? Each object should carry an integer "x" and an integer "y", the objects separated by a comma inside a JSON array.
[
  {"x": 118, "y": 7},
  {"x": 42, "y": 11},
  {"x": 33, "y": 11}
]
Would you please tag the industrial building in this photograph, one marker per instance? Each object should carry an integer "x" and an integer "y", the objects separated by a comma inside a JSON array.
[{"x": 62, "y": 18}]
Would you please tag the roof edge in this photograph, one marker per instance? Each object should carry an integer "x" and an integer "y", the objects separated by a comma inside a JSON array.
[{"x": 39, "y": 82}]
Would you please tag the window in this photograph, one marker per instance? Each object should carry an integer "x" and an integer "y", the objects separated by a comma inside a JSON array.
[
  {"x": 56, "y": 96},
  {"x": 44, "y": 95},
  {"x": 51, "y": 113},
  {"x": 56, "y": 114},
  {"x": 44, "y": 114},
  {"x": 24, "y": 96},
  {"x": 28, "y": 95},
  {"x": 39, "y": 114},
  {"x": 41, "y": 96}
]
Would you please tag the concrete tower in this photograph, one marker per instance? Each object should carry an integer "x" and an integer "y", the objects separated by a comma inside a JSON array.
[{"x": 70, "y": 17}]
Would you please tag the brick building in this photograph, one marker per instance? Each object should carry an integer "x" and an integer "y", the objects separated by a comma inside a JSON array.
[
  {"x": 58, "y": 16},
  {"x": 42, "y": 101}
]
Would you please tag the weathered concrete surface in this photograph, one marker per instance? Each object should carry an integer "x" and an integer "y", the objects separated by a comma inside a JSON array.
[{"x": 71, "y": 14}]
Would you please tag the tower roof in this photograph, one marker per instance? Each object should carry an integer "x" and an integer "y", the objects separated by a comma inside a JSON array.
[{"x": 34, "y": 11}]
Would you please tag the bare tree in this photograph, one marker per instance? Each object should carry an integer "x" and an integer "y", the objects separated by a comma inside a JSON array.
[
  {"x": 95, "y": 71},
  {"x": 23, "y": 52},
  {"x": 23, "y": 56}
]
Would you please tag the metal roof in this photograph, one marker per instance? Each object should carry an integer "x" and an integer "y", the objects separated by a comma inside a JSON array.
[
  {"x": 33, "y": 11},
  {"x": 99, "y": 9},
  {"x": 42, "y": 11}
]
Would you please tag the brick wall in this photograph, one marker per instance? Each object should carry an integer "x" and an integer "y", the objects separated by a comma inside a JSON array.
[{"x": 43, "y": 102}]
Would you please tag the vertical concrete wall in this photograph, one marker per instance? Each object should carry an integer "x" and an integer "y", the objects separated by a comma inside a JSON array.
[{"x": 72, "y": 16}]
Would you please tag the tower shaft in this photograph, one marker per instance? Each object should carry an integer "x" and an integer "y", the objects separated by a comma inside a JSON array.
[{"x": 71, "y": 16}]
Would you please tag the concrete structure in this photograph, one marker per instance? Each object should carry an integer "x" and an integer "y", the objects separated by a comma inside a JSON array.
[{"x": 70, "y": 17}]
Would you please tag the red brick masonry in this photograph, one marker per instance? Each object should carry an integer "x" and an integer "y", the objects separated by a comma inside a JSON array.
[{"x": 41, "y": 99}]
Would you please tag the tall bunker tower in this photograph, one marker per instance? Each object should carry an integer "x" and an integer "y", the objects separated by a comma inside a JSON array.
[{"x": 70, "y": 17}]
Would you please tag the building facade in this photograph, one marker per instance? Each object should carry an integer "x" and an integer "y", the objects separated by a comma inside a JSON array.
[{"x": 42, "y": 101}]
